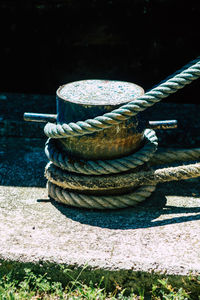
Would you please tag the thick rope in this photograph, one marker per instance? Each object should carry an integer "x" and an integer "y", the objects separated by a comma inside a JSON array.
[
  {"x": 123, "y": 113},
  {"x": 120, "y": 181},
  {"x": 170, "y": 156},
  {"x": 99, "y": 202},
  {"x": 99, "y": 167},
  {"x": 144, "y": 182}
]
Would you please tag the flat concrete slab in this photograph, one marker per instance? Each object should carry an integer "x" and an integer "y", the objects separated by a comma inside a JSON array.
[{"x": 160, "y": 236}]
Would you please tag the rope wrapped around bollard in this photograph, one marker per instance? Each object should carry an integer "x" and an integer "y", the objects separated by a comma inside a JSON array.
[{"x": 125, "y": 181}]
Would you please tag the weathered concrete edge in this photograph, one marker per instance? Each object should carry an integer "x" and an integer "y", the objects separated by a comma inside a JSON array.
[{"x": 128, "y": 279}]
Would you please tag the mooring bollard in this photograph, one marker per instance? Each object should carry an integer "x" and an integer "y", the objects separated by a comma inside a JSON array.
[
  {"x": 82, "y": 100},
  {"x": 79, "y": 101},
  {"x": 85, "y": 100},
  {"x": 100, "y": 148}
]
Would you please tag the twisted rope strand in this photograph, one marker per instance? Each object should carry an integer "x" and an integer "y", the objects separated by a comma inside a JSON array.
[
  {"x": 127, "y": 180},
  {"x": 170, "y": 156},
  {"x": 99, "y": 202},
  {"x": 100, "y": 167},
  {"x": 191, "y": 63}
]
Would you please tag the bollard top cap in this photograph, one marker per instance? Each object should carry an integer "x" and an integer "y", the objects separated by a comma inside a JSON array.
[{"x": 99, "y": 92}]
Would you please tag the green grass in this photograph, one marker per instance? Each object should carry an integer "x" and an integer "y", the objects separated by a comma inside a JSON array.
[{"x": 33, "y": 286}]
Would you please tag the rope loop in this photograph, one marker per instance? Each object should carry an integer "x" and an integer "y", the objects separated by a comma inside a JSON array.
[{"x": 99, "y": 167}]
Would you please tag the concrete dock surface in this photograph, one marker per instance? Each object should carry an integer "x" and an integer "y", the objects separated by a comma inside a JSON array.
[
  {"x": 130, "y": 247},
  {"x": 159, "y": 236}
]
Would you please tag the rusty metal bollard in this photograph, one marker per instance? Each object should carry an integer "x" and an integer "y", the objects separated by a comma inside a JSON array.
[
  {"x": 108, "y": 151},
  {"x": 86, "y": 99}
]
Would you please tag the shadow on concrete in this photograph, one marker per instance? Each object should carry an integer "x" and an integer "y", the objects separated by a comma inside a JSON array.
[
  {"x": 22, "y": 162},
  {"x": 144, "y": 215}
]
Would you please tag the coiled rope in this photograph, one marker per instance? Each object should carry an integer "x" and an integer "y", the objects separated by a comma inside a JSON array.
[
  {"x": 76, "y": 190},
  {"x": 100, "y": 167}
]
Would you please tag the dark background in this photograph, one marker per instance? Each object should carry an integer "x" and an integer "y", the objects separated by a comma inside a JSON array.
[{"x": 48, "y": 43}]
